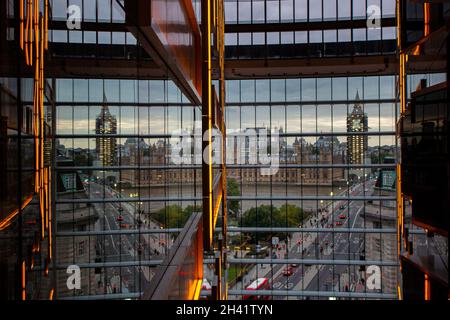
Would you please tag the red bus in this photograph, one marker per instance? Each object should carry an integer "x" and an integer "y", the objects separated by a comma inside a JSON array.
[{"x": 258, "y": 284}]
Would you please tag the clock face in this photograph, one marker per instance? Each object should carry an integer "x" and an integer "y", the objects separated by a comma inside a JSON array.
[{"x": 356, "y": 123}]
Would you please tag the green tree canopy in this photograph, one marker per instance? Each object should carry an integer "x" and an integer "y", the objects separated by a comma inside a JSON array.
[
  {"x": 233, "y": 190},
  {"x": 266, "y": 216},
  {"x": 172, "y": 216}
]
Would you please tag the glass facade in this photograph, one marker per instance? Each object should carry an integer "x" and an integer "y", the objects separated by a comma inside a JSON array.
[
  {"x": 90, "y": 150},
  {"x": 322, "y": 218},
  {"x": 122, "y": 219},
  {"x": 25, "y": 158}
]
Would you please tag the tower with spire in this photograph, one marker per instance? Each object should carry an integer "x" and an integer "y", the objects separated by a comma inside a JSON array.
[
  {"x": 106, "y": 147},
  {"x": 357, "y": 121}
]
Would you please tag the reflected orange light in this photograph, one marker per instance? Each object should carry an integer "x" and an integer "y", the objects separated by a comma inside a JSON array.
[
  {"x": 426, "y": 19},
  {"x": 21, "y": 13},
  {"x": 7, "y": 221},
  {"x": 23, "y": 281},
  {"x": 197, "y": 289},
  {"x": 216, "y": 211},
  {"x": 52, "y": 292},
  {"x": 399, "y": 292},
  {"x": 427, "y": 288},
  {"x": 34, "y": 42}
]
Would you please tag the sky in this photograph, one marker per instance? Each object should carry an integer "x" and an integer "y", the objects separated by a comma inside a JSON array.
[{"x": 307, "y": 118}]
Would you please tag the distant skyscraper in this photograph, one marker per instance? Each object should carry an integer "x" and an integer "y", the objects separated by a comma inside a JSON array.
[
  {"x": 106, "y": 147},
  {"x": 357, "y": 144}
]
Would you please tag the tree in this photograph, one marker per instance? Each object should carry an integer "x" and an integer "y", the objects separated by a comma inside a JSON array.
[
  {"x": 263, "y": 216},
  {"x": 266, "y": 216},
  {"x": 292, "y": 215},
  {"x": 192, "y": 208},
  {"x": 172, "y": 216},
  {"x": 233, "y": 190}
]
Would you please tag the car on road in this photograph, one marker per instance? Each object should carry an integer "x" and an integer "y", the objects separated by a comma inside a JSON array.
[
  {"x": 342, "y": 207},
  {"x": 288, "y": 271},
  {"x": 294, "y": 265},
  {"x": 119, "y": 218},
  {"x": 342, "y": 216},
  {"x": 338, "y": 223}
]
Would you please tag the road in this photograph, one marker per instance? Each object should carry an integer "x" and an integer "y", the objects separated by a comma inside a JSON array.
[
  {"x": 125, "y": 247},
  {"x": 323, "y": 245}
]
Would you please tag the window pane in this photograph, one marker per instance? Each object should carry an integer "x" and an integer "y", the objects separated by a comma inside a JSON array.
[
  {"x": 244, "y": 11},
  {"x": 344, "y": 9},
  {"x": 301, "y": 13},
  {"x": 355, "y": 86},
  {"x": 292, "y": 89},
  {"x": 262, "y": 90},
  {"x": 329, "y": 9},
  {"x": 287, "y": 10},
  {"x": 81, "y": 90},
  {"x": 273, "y": 10},
  {"x": 247, "y": 90},
  {"x": 89, "y": 10},
  {"x": 315, "y": 10},
  {"x": 308, "y": 89},
  {"x": 359, "y": 9},
  {"x": 371, "y": 88},
  {"x": 388, "y": 8},
  {"x": 339, "y": 88},
  {"x": 277, "y": 90},
  {"x": 104, "y": 10},
  {"x": 64, "y": 89},
  {"x": 231, "y": 11},
  {"x": 233, "y": 92},
  {"x": 323, "y": 89},
  {"x": 258, "y": 11}
]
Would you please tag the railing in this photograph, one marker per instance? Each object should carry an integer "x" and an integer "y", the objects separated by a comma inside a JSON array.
[{"x": 180, "y": 275}]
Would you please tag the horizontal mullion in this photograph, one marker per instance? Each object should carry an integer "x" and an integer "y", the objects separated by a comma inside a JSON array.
[
  {"x": 313, "y": 165},
  {"x": 304, "y": 25},
  {"x": 146, "y": 199},
  {"x": 231, "y": 135},
  {"x": 233, "y": 166},
  {"x": 110, "y": 296},
  {"x": 268, "y": 198},
  {"x": 138, "y": 263},
  {"x": 115, "y": 135},
  {"x": 318, "y": 197},
  {"x": 116, "y": 264},
  {"x": 295, "y": 293},
  {"x": 332, "y": 134},
  {"x": 124, "y": 103},
  {"x": 307, "y": 230},
  {"x": 309, "y": 102},
  {"x": 229, "y": 230},
  {"x": 228, "y": 104},
  {"x": 116, "y": 232},
  {"x": 313, "y": 262},
  {"x": 137, "y": 167}
]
